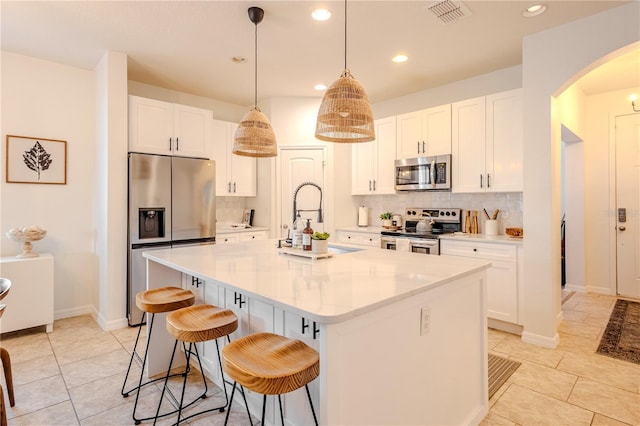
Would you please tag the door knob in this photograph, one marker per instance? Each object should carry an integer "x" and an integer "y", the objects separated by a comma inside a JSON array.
[{"x": 622, "y": 228}]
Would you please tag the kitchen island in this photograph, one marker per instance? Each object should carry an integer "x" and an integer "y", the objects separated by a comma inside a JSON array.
[{"x": 402, "y": 337}]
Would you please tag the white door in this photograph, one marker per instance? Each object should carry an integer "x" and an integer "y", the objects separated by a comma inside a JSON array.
[
  {"x": 628, "y": 198},
  {"x": 298, "y": 166}
]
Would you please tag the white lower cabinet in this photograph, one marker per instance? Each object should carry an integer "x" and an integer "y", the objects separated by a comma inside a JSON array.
[
  {"x": 502, "y": 277},
  {"x": 256, "y": 316},
  {"x": 235, "y": 237},
  {"x": 371, "y": 239},
  {"x": 295, "y": 405}
]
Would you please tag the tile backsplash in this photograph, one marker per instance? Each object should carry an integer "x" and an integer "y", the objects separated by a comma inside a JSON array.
[
  {"x": 509, "y": 203},
  {"x": 230, "y": 209}
]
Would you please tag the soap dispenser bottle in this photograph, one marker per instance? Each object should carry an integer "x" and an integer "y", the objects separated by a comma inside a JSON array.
[
  {"x": 306, "y": 236},
  {"x": 298, "y": 226}
]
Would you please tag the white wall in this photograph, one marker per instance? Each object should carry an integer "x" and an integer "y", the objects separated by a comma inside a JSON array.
[
  {"x": 111, "y": 189},
  {"x": 49, "y": 100},
  {"x": 571, "y": 106},
  {"x": 552, "y": 61},
  {"x": 294, "y": 123},
  {"x": 485, "y": 84},
  {"x": 599, "y": 175}
]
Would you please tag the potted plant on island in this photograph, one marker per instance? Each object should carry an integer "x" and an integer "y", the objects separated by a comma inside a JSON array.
[
  {"x": 386, "y": 219},
  {"x": 319, "y": 242}
]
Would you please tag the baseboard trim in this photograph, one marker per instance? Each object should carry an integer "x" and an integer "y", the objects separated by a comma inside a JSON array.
[
  {"x": 508, "y": 327},
  {"x": 73, "y": 312},
  {"x": 109, "y": 325},
  {"x": 539, "y": 340}
]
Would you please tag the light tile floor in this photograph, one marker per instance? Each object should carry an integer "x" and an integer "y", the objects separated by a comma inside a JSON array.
[{"x": 73, "y": 376}]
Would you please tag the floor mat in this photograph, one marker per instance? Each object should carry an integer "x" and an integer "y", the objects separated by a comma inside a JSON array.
[
  {"x": 500, "y": 369},
  {"x": 621, "y": 338}
]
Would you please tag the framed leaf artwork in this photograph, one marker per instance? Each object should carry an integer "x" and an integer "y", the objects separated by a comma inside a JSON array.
[{"x": 36, "y": 160}]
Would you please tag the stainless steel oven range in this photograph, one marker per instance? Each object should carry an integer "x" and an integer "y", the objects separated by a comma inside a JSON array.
[{"x": 422, "y": 229}]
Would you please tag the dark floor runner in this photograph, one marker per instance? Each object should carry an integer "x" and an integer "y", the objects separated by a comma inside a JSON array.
[{"x": 621, "y": 338}]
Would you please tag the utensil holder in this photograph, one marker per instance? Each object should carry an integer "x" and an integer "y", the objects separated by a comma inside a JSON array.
[{"x": 491, "y": 227}]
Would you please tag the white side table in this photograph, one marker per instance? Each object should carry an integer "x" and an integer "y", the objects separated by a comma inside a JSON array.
[{"x": 30, "y": 300}]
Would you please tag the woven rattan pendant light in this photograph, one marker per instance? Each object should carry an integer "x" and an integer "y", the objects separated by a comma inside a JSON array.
[
  {"x": 254, "y": 136},
  {"x": 345, "y": 112}
]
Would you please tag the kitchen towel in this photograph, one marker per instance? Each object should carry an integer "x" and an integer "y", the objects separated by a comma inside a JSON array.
[
  {"x": 403, "y": 244},
  {"x": 363, "y": 216}
]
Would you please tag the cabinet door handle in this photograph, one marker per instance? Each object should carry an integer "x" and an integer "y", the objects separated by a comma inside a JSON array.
[
  {"x": 195, "y": 281},
  {"x": 170, "y": 140},
  {"x": 481, "y": 181},
  {"x": 418, "y": 142},
  {"x": 374, "y": 185},
  {"x": 369, "y": 185},
  {"x": 237, "y": 299},
  {"x": 423, "y": 148},
  {"x": 316, "y": 330},
  {"x": 234, "y": 187},
  {"x": 229, "y": 187},
  {"x": 305, "y": 325},
  {"x": 488, "y": 181},
  {"x": 177, "y": 144}
]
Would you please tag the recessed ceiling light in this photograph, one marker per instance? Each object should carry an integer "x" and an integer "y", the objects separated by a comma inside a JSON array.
[
  {"x": 320, "y": 87},
  {"x": 321, "y": 14},
  {"x": 400, "y": 58},
  {"x": 534, "y": 10}
]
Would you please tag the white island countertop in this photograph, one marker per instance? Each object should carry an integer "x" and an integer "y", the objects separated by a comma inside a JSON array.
[{"x": 327, "y": 290}]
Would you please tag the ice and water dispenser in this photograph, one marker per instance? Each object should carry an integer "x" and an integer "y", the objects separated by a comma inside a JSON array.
[{"x": 151, "y": 223}]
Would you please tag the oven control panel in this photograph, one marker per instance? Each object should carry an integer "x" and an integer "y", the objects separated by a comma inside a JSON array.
[{"x": 440, "y": 215}]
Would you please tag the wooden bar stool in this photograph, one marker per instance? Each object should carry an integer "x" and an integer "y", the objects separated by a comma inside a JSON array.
[
  {"x": 155, "y": 301},
  {"x": 195, "y": 324},
  {"x": 270, "y": 364},
  {"x": 5, "y": 286}
]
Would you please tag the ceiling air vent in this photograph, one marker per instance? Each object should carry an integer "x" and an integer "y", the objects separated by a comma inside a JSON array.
[{"x": 448, "y": 11}]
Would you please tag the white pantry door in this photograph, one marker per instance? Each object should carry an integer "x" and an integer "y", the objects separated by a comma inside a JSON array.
[
  {"x": 297, "y": 166},
  {"x": 628, "y": 204}
]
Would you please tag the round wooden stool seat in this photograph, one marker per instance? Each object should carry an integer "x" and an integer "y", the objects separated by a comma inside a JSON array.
[
  {"x": 270, "y": 364},
  {"x": 201, "y": 323},
  {"x": 164, "y": 299}
]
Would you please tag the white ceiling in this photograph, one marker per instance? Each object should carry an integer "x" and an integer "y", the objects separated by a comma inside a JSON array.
[{"x": 188, "y": 45}]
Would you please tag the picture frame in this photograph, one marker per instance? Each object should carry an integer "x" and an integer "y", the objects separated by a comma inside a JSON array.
[{"x": 36, "y": 160}]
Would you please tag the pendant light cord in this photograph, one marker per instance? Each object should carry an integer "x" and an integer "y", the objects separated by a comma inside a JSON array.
[
  {"x": 345, "y": 34},
  {"x": 255, "y": 74}
]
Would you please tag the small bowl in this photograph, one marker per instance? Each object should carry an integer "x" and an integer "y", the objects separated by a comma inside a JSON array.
[{"x": 514, "y": 232}]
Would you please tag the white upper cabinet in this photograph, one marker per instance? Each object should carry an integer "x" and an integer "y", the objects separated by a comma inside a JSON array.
[
  {"x": 235, "y": 174},
  {"x": 487, "y": 139},
  {"x": 424, "y": 133},
  {"x": 373, "y": 165},
  {"x": 505, "y": 140},
  {"x": 157, "y": 127}
]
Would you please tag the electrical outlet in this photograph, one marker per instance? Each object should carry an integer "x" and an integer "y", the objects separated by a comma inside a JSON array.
[{"x": 425, "y": 320}]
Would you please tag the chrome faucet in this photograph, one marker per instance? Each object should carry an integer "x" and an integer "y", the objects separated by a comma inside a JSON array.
[{"x": 295, "y": 196}]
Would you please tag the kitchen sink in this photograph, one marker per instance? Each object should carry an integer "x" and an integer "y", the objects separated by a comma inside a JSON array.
[{"x": 342, "y": 249}]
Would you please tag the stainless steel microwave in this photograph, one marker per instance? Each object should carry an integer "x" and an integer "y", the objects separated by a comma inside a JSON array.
[{"x": 424, "y": 173}]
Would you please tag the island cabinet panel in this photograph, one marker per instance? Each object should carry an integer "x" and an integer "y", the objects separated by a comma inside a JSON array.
[
  {"x": 502, "y": 276},
  {"x": 390, "y": 349},
  {"x": 296, "y": 404}
]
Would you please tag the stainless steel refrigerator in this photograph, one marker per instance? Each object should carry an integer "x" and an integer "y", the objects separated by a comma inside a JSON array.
[{"x": 172, "y": 203}]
